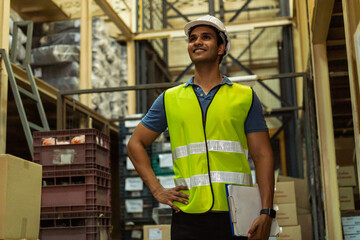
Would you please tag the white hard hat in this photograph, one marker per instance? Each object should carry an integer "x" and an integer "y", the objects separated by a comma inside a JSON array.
[{"x": 211, "y": 21}]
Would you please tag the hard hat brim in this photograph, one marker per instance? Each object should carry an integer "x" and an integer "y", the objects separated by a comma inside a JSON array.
[{"x": 200, "y": 22}]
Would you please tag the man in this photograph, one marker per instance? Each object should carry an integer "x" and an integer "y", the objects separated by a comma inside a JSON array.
[{"x": 213, "y": 124}]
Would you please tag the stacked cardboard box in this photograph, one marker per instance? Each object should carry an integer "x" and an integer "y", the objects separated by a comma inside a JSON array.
[
  {"x": 20, "y": 198},
  {"x": 351, "y": 225},
  {"x": 344, "y": 148},
  {"x": 157, "y": 232},
  {"x": 291, "y": 199}
]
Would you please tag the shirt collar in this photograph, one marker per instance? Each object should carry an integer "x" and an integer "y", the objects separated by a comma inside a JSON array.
[{"x": 225, "y": 80}]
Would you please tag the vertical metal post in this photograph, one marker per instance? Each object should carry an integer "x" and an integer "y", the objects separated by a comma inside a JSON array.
[
  {"x": 165, "y": 40},
  {"x": 138, "y": 70},
  {"x": 211, "y": 7},
  {"x": 143, "y": 70},
  {"x": 288, "y": 90},
  {"x": 223, "y": 66},
  {"x": 311, "y": 162}
]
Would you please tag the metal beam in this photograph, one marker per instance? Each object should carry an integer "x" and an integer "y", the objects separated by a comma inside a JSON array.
[
  {"x": 211, "y": 7},
  {"x": 184, "y": 72},
  {"x": 239, "y": 11},
  {"x": 261, "y": 83},
  {"x": 4, "y": 43},
  {"x": 114, "y": 17},
  {"x": 170, "y": 84},
  {"x": 321, "y": 20},
  {"x": 177, "y": 11},
  {"x": 85, "y": 50},
  {"x": 251, "y": 43},
  {"x": 326, "y": 142},
  {"x": 231, "y": 28}
]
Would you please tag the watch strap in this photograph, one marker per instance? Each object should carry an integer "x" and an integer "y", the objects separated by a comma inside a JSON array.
[{"x": 268, "y": 211}]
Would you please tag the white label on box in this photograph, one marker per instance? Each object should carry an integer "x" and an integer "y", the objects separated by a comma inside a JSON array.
[
  {"x": 167, "y": 181},
  {"x": 136, "y": 234},
  {"x": 66, "y": 158},
  {"x": 77, "y": 38},
  {"x": 353, "y": 220},
  {"x": 129, "y": 164},
  {"x": 77, "y": 23},
  {"x": 351, "y": 229},
  {"x": 155, "y": 234},
  {"x": 165, "y": 160},
  {"x": 134, "y": 205},
  {"x": 162, "y": 205},
  {"x": 352, "y": 237},
  {"x": 38, "y": 72},
  {"x": 126, "y": 140},
  {"x": 166, "y": 146},
  {"x": 134, "y": 184},
  {"x": 132, "y": 123}
]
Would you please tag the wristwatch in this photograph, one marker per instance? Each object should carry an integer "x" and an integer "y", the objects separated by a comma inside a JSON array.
[{"x": 268, "y": 211}]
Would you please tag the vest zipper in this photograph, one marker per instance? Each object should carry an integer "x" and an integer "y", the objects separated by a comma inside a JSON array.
[{"x": 206, "y": 144}]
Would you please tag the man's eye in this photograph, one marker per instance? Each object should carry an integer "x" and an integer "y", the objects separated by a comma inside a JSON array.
[
  {"x": 206, "y": 37},
  {"x": 192, "y": 39}
]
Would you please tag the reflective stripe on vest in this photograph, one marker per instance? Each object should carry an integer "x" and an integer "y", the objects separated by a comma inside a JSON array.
[
  {"x": 213, "y": 145},
  {"x": 216, "y": 177}
]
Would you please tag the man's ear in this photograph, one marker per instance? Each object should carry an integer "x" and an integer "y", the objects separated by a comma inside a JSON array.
[{"x": 221, "y": 49}]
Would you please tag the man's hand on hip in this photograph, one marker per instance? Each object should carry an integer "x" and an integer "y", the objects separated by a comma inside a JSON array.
[
  {"x": 260, "y": 228},
  {"x": 169, "y": 195}
]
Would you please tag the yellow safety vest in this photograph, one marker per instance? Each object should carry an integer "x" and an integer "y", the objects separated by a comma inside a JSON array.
[{"x": 208, "y": 153}]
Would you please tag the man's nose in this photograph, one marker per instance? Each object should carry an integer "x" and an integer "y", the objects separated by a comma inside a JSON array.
[{"x": 198, "y": 41}]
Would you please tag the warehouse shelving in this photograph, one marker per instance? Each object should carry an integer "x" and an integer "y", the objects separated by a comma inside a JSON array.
[{"x": 333, "y": 24}]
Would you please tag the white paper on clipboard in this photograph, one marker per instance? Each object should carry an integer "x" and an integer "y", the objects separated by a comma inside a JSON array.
[{"x": 244, "y": 206}]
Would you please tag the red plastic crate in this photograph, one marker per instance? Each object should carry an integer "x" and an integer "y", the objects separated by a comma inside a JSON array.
[
  {"x": 75, "y": 225},
  {"x": 78, "y": 176},
  {"x": 96, "y": 148},
  {"x": 77, "y": 208},
  {"x": 76, "y": 194},
  {"x": 75, "y": 167},
  {"x": 81, "y": 218},
  {"x": 76, "y": 187},
  {"x": 76, "y": 233}
]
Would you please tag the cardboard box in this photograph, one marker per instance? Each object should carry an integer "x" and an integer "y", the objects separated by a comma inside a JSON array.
[
  {"x": 346, "y": 198},
  {"x": 350, "y": 220},
  {"x": 286, "y": 214},
  {"x": 157, "y": 232},
  {"x": 284, "y": 192},
  {"x": 301, "y": 191},
  {"x": 305, "y": 222},
  {"x": 348, "y": 230},
  {"x": 290, "y": 233},
  {"x": 20, "y": 198},
  {"x": 346, "y": 176},
  {"x": 344, "y": 157},
  {"x": 352, "y": 237}
]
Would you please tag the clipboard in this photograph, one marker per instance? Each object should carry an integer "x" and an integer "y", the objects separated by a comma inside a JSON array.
[{"x": 244, "y": 206}]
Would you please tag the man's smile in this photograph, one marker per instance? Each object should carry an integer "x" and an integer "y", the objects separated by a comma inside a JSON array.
[{"x": 198, "y": 50}]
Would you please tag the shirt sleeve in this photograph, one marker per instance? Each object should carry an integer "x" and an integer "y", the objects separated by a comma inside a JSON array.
[
  {"x": 255, "y": 121},
  {"x": 155, "y": 118}
]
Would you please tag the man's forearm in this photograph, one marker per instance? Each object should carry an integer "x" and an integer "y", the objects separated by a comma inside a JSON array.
[
  {"x": 141, "y": 161},
  {"x": 265, "y": 179}
]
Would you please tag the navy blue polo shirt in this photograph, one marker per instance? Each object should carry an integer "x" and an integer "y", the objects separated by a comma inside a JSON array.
[{"x": 155, "y": 118}]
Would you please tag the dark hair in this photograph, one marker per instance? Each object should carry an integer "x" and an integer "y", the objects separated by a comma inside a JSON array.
[{"x": 219, "y": 39}]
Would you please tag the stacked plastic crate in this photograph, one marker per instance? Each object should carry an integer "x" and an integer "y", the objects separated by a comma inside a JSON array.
[
  {"x": 137, "y": 203},
  {"x": 75, "y": 202}
]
